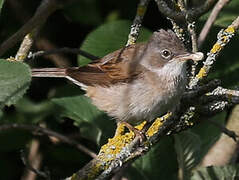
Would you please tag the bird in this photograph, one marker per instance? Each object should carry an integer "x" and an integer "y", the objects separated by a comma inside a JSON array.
[{"x": 136, "y": 83}]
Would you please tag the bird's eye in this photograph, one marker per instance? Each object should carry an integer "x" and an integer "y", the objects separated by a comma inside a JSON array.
[{"x": 166, "y": 53}]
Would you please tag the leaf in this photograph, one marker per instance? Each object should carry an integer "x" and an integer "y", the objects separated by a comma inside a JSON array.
[
  {"x": 1, "y": 4},
  {"x": 217, "y": 172},
  {"x": 158, "y": 163},
  {"x": 33, "y": 112},
  {"x": 15, "y": 78},
  {"x": 91, "y": 120},
  {"x": 84, "y": 11},
  {"x": 187, "y": 145},
  {"x": 209, "y": 133},
  {"x": 1, "y": 114},
  {"x": 108, "y": 38}
]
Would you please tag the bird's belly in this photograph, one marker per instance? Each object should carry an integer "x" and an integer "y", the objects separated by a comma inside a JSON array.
[{"x": 134, "y": 103}]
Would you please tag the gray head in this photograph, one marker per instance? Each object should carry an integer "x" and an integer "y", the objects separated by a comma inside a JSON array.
[{"x": 163, "y": 48}]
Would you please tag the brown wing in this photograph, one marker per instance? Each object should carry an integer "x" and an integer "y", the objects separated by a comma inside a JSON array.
[{"x": 119, "y": 66}]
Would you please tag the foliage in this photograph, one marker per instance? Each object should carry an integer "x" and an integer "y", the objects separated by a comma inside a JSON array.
[{"x": 101, "y": 29}]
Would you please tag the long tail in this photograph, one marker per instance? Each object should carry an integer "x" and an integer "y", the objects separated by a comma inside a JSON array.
[
  {"x": 49, "y": 72},
  {"x": 56, "y": 72}
]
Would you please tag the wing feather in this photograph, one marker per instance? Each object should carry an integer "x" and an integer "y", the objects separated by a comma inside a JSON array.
[{"x": 115, "y": 67}]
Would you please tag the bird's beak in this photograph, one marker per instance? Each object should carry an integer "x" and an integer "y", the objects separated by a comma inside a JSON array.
[{"x": 193, "y": 56}]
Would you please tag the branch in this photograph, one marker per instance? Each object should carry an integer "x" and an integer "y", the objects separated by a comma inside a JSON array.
[
  {"x": 45, "y": 131},
  {"x": 46, "y": 8},
  {"x": 123, "y": 148},
  {"x": 180, "y": 17},
  {"x": 25, "y": 46},
  {"x": 224, "y": 36},
  {"x": 224, "y": 151},
  {"x": 45, "y": 175},
  {"x": 62, "y": 50},
  {"x": 189, "y": 96},
  {"x": 135, "y": 27},
  {"x": 45, "y": 45},
  {"x": 211, "y": 19}
]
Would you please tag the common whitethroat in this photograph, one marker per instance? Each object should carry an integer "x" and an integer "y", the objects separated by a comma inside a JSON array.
[{"x": 136, "y": 83}]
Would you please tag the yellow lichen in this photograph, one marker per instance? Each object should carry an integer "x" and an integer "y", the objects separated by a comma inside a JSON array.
[
  {"x": 141, "y": 10},
  {"x": 115, "y": 144},
  {"x": 94, "y": 171},
  {"x": 201, "y": 73},
  {"x": 21, "y": 57},
  {"x": 224, "y": 39},
  {"x": 131, "y": 40},
  {"x": 217, "y": 47},
  {"x": 141, "y": 126},
  {"x": 230, "y": 30},
  {"x": 74, "y": 176},
  {"x": 11, "y": 59},
  {"x": 157, "y": 124}
]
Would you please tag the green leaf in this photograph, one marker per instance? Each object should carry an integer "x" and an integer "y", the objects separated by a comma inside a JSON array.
[
  {"x": 1, "y": 4},
  {"x": 15, "y": 78},
  {"x": 1, "y": 114},
  {"x": 187, "y": 145},
  {"x": 34, "y": 112},
  {"x": 108, "y": 38},
  {"x": 159, "y": 163},
  {"x": 84, "y": 11},
  {"x": 208, "y": 132},
  {"x": 92, "y": 121},
  {"x": 216, "y": 172}
]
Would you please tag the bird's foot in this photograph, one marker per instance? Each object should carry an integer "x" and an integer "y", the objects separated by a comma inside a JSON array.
[{"x": 138, "y": 133}]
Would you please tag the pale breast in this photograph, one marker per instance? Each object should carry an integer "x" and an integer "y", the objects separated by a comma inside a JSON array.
[{"x": 143, "y": 99}]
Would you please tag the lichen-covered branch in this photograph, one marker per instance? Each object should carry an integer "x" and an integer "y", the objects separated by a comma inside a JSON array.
[
  {"x": 25, "y": 46},
  {"x": 135, "y": 27},
  {"x": 123, "y": 148},
  {"x": 224, "y": 36},
  {"x": 211, "y": 19}
]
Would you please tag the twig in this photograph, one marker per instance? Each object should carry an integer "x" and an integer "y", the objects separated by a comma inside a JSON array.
[
  {"x": 62, "y": 50},
  {"x": 226, "y": 131},
  {"x": 221, "y": 94},
  {"x": 180, "y": 17},
  {"x": 25, "y": 46},
  {"x": 135, "y": 27},
  {"x": 189, "y": 96},
  {"x": 45, "y": 175},
  {"x": 45, "y": 131},
  {"x": 211, "y": 19},
  {"x": 224, "y": 151},
  {"x": 34, "y": 159},
  {"x": 46, "y": 8},
  {"x": 191, "y": 30},
  {"x": 224, "y": 36},
  {"x": 59, "y": 60}
]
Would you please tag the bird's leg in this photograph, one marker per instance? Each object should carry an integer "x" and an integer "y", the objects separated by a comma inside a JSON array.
[{"x": 137, "y": 132}]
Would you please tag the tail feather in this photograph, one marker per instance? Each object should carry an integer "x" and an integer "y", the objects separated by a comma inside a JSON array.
[
  {"x": 49, "y": 72},
  {"x": 56, "y": 72}
]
